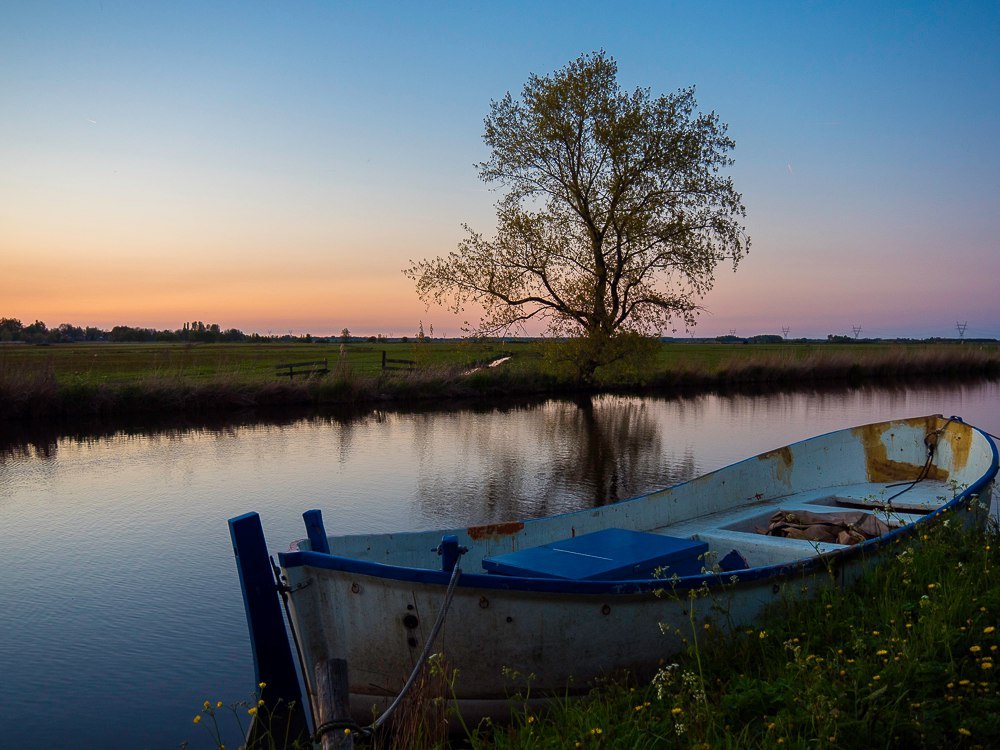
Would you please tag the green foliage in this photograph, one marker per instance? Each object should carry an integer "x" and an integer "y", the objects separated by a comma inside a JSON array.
[
  {"x": 615, "y": 217},
  {"x": 905, "y": 658},
  {"x": 625, "y": 358}
]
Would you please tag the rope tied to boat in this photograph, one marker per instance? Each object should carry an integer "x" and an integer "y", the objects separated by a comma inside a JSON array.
[
  {"x": 425, "y": 654},
  {"x": 347, "y": 727},
  {"x": 930, "y": 441}
]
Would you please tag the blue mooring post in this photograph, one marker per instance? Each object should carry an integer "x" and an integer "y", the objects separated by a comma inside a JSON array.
[
  {"x": 272, "y": 655},
  {"x": 317, "y": 531}
]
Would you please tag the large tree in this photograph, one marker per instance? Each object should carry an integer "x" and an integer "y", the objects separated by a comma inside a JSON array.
[{"x": 615, "y": 214}]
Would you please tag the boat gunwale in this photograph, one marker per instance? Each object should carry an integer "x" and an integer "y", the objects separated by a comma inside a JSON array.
[{"x": 827, "y": 559}]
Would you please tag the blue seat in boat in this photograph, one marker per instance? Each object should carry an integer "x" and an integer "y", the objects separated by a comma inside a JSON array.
[{"x": 609, "y": 554}]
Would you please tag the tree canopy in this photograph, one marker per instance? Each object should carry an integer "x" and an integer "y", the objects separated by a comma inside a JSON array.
[{"x": 615, "y": 212}]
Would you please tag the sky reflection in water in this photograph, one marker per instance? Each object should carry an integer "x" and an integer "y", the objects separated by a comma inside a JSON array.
[{"x": 121, "y": 609}]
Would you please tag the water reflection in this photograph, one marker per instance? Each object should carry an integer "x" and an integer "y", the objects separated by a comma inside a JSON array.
[
  {"x": 530, "y": 461},
  {"x": 119, "y": 529},
  {"x": 609, "y": 441}
]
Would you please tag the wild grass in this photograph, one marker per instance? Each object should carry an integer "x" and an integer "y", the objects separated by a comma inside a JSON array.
[
  {"x": 264, "y": 727},
  {"x": 83, "y": 380},
  {"x": 906, "y": 658}
]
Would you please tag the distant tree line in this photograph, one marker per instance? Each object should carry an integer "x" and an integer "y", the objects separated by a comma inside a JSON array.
[{"x": 12, "y": 329}]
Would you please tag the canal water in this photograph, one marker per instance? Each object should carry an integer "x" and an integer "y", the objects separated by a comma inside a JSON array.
[{"x": 120, "y": 608}]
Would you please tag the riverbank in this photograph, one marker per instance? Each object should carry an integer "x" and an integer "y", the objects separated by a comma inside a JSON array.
[
  {"x": 87, "y": 380},
  {"x": 904, "y": 658}
]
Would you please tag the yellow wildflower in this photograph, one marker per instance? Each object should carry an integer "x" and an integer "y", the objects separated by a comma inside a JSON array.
[
  {"x": 881, "y": 652},
  {"x": 197, "y": 719},
  {"x": 252, "y": 710},
  {"x": 207, "y": 705},
  {"x": 975, "y": 649},
  {"x": 676, "y": 710},
  {"x": 965, "y": 732},
  {"x": 988, "y": 629},
  {"x": 219, "y": 704},
  {"x": 262, "y": 685}
]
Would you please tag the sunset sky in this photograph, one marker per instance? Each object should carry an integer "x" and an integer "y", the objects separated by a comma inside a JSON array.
[{"x": 272, "y": 166}]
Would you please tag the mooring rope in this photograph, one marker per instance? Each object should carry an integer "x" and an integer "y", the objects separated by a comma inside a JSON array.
[
  {"x": 367, "y": 731},
  {"x": 455, "y": 573},
  {"x": 931, "y": 447}
]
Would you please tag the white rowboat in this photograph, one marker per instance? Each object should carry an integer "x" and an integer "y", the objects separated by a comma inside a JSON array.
[{"x": 572, "y": 597}]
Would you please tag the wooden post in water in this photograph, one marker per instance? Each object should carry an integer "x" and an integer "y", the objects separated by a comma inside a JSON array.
[{"x": 333, "y": 705}]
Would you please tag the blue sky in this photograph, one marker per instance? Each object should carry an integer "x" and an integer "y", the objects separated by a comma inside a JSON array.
[{"x": 273, "y": 166}]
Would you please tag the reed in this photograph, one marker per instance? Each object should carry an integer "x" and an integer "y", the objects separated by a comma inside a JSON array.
[{"x": 75, "y": 381}]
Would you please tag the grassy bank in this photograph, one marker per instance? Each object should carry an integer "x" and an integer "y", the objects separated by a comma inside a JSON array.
[
  {"x": 905, "y": 658},
  {"x": 79, "y": 380}
]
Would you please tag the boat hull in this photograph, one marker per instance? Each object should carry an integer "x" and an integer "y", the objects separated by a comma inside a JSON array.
[{"x": 505, "y": 635}]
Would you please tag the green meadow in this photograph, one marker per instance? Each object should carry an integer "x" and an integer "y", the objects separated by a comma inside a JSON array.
[{"x": 86, "y": 379}]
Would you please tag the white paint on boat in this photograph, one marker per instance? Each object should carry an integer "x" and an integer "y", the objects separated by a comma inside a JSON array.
[{"x": 374, "y": 599}]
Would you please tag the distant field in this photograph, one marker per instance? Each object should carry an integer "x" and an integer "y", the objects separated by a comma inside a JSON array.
[
  {"x": 118, "y": 363},
  {"x": 102, "y": 363}
]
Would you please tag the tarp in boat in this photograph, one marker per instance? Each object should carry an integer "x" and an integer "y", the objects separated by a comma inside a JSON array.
[{"x": 840, "y": 528}]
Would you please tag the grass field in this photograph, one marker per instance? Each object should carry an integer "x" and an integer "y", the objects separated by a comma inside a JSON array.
[
  {"x": 117, "y": 363},
  {"x": 103, "y": 362},
  {"x": 100, "y": 378}
]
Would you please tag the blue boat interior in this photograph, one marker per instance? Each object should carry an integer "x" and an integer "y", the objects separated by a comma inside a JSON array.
[{"x": 608, "y": 554}]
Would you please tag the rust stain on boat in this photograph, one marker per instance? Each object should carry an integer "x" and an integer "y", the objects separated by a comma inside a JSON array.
[
  {"x": 959, "y": 437},
  {"x": 782, "y": 462},
  {"x": 880, "y": 467},
  {"x": 494, "y": 530}
]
